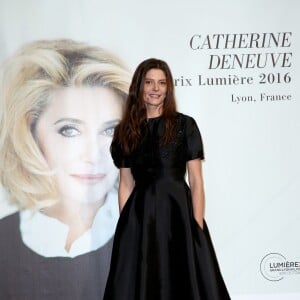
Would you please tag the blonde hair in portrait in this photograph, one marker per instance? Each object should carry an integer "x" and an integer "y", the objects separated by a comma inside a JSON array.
[{"x": 28, "y": 80}]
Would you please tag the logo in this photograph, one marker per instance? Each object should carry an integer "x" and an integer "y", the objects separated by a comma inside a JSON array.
[{"x": 274, "y": 267}]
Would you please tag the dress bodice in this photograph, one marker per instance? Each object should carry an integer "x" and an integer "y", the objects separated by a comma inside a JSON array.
[{"x": 154, "y": 160}]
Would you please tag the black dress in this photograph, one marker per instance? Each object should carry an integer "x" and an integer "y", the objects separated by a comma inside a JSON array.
[{"x": 160, "y": 252}]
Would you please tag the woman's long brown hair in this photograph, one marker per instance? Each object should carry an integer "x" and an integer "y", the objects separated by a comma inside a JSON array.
[{"x": 128, "y": 133}]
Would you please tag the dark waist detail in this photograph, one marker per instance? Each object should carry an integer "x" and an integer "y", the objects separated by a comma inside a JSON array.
[{"x": 151, "y": 174}]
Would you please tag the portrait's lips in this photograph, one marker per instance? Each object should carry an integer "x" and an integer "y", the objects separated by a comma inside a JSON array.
[{"x": 89, "y": 178}]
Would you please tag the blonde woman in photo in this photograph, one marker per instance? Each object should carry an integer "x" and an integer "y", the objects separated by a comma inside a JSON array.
[{"x": 61, "y": 101}]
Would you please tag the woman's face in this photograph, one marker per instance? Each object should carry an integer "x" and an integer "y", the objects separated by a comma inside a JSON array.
[
  {"x": 74, "y": 134},
  {"x": 155, "y": 87}
]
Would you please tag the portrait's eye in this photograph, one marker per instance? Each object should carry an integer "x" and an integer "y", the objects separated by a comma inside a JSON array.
[
  {"x": 148, "y": 82},
  {"x": 109, "y": 131},
  {"x": 163, "y": 83},
  {"x": 69, "y": 131}
]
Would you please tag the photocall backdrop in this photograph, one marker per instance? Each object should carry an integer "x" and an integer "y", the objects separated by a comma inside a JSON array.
[{"x": 236, "y": 71}]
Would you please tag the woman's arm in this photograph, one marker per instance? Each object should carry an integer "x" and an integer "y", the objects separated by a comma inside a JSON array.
[
  {"x": 125, "y": 187},
  {"x": 194, "y": 168}
]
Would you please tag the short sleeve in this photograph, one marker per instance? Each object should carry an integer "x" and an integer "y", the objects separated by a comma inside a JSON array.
[
  {"x": 193, "y": 140},
  {"x": 120, "y": 160}
]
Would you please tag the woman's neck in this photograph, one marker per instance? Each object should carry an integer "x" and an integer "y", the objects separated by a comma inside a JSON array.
[
  {"x": 153, "y": 111},
  {"x": 79, "y": 218}
]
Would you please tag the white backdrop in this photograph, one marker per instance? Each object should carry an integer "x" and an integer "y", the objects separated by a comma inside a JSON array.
[{"x": 252, "y": 147}]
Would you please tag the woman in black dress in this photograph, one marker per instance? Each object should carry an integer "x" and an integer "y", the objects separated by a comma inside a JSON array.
[{"x": 162, "y": 248}]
